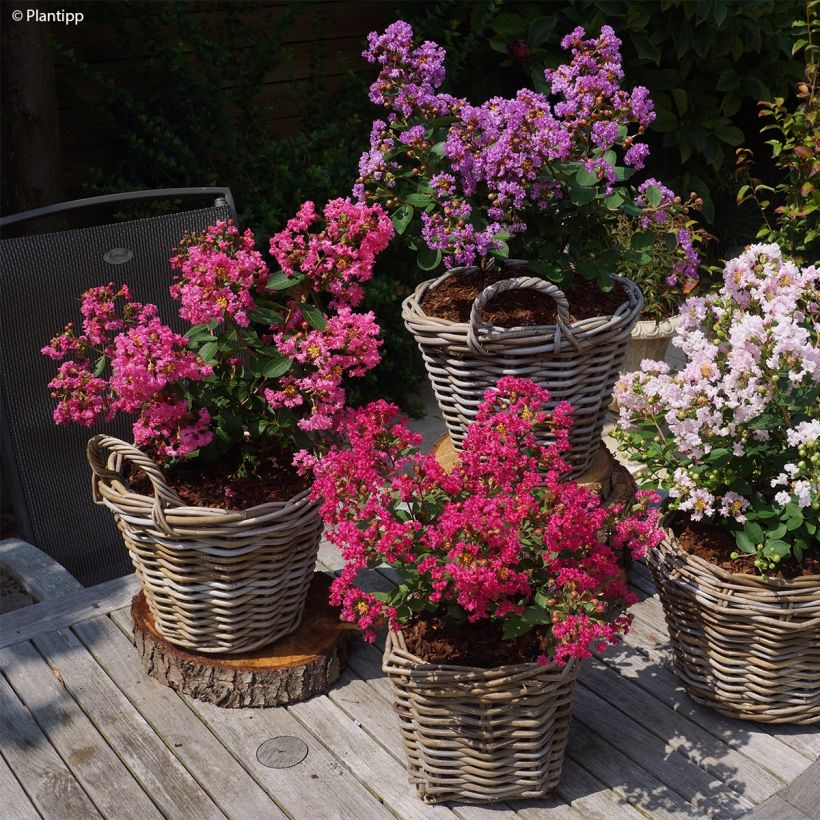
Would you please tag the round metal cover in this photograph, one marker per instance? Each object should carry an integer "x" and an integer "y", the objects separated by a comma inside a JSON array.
[
  {"x": 118, "y": 256},
  {"x": 282, "y": 752}
]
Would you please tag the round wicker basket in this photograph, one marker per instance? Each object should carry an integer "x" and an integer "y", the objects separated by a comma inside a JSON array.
[
  {"x": 215, "y": 581},
  {"x": 746, "y": 647},
  {"x": 480, "y": 735},
  {"x": 576, "y": 362}
]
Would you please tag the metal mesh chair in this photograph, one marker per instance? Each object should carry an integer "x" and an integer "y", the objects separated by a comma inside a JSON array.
[{"x": 42, "y": 278}]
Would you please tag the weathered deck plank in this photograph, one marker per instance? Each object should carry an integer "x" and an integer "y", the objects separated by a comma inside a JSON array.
[
  {"x": 57, "y": 613},
  {"x": 95, "y": 765},
  {"x": 13, "y": 797},
  {"x": 323, "y": 787},
  {"x": 47, "y": 781},
  {"x": 227, "y": 783},
  {"x": 172, "y": 788}
]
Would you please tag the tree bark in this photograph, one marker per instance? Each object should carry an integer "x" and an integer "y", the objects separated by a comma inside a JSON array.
[{"x": 303, "y": 664}]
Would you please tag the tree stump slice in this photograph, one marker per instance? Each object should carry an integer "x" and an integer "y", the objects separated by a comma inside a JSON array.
[
  {"x": 606, "y": 476},
  {"x": 303, "y": 664}
]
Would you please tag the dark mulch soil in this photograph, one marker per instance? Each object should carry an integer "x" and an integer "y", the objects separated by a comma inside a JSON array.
[
  {"x": 453, "y": 300},
  {"x": 205, "y": 485},
  {"x": 713, "y": 543},
  {"x": 480, "y": 644}
]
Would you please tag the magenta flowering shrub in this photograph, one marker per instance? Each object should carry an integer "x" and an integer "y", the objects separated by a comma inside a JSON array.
[
  {"x": 462, "y": 181},
  {"x": 263, "y": 362},
  {"x": 501, "y": 538},
  {"x": 735, "y": 436}
]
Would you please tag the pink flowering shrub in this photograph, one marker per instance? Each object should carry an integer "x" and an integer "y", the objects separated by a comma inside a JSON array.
[
  {"x": 462, "y": 181},
  {"x": 735, "y": 436},
  {"x": 500, "y": 538},
  {"x": 263, "y": 360}
]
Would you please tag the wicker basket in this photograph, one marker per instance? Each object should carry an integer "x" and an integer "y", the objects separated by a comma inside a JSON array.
[
  {"x": 748, "y": 648},
  {"x": 576, "y": 362},
  {"x": 215, "y": 580},
  {"x": 480, "y": 735}
]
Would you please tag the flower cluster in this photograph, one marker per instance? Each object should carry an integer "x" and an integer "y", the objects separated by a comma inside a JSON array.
[
  {"x": 658, "y": 247},
  {"x": 219, "y": 272},
  {"x": 734, "y": 434},
  {"x": 339, "y": 257},
  {"x": 262, "y": 361},
  {"x": 149, "y": 364},
  {"x": 478, "y": 175},
  {"x": 501, "y": 537}
]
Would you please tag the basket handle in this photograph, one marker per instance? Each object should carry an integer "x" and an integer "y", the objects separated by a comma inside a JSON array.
[
  {"x": 520, "y": 283},
  {"x": 107, "y": 454}
]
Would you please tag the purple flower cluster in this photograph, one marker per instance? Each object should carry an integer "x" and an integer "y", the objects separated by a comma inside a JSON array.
[{"x": 499, "y": 159}]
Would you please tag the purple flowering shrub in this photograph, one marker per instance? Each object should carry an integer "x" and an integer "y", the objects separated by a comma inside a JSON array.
[
  {"x": 735, "y": 436},
  {"x": 463, "y": 181},
  {"x": 263, "y": 361},
  {"x": 501, "y": 538}
]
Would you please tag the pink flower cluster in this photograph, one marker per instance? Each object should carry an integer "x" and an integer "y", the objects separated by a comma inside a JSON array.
[
  {"x": 729, "y": 425},
  {"x": 218, "y": 273},
  {"x": 340, "y": 256},
  {"x": 348, "y": 346},
  {"x": 501, "y": 537},
  {"x": 148, "y": 364}
]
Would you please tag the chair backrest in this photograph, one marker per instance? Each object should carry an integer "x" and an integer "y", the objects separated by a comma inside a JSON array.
[{"x": 42, "y": 278}]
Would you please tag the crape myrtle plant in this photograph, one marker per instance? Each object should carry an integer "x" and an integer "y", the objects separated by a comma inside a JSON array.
[
  {"x": 261, "y": 368},
  {"x": 735, "y": 435},
  {"x": 545, "y": 176},
  {"x": 501, "y": 538}
]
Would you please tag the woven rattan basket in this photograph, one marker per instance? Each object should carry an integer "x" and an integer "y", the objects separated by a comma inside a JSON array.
[
  {"x": 748, "y": 648},
  {"x": 576, "y": 362},
  {"x": 480, "y": 735},
  {"x": 215, "y": 580}
]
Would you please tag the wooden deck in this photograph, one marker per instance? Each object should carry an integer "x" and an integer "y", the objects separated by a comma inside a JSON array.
[{"x": 84, "y": 733}]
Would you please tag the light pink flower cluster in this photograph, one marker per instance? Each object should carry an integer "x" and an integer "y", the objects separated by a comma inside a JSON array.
[
  {"x": 501, "y": 537},
  {"x": 348, "y": 346},
  {"x": 148, "y": 364},
  {"x": 339, "y": 257},
  {"x": 729, "y": 426},
  {"x": 219, "y": 271}
]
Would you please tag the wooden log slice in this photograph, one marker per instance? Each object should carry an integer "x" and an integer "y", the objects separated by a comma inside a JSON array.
[
  {"x": 606, "y": 476},
  {"x": 303, "y": 664}
]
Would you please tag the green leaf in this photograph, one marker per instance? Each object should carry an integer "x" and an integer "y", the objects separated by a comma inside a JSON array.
[
  {"x": 776, "y": 547},
  {"x": 654, "y": 196},
  {"x": 402, "y": 218},
  {"x": 99, "y": 366},
  {"x": 731, "y": 135},
  {"x": 276, "y": 366},
  {"x": 744, "y": 542},
  {"x": 208, "y": 351},
  {"x": 418, "y": 200},
  {"x": 728, "y": 80},
  {"x": 314, "y": 316},
  {"x": 266, "y": 316},
  {"x": 540, "y": 30},
  {"x": 754, "y": 531},
  {"x": 641, "y": 241},
  {"x": 281, "y": 281},
  {"x": 428, "y": 259},
  {"x": 681, "y": 100},
  {"x": 586, "y": 178},
  {"x": 581, "y": 196}
]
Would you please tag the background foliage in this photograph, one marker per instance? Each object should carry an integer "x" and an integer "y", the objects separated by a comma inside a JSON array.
[{"x": 194, "y": 112}]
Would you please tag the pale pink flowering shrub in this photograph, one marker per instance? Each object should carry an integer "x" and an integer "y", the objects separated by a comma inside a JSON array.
[
  {"x": 735, "y": 436},
  {"x": 263, "y": 365},
  {"x": 501, "y": 538}
]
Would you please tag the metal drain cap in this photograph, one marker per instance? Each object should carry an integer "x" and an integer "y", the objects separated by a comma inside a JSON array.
[{"x": 282, "y": 752}]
